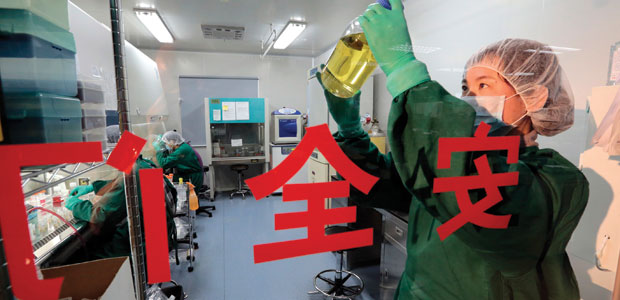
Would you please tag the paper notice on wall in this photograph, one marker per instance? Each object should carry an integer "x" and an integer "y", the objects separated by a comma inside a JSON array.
[
  {"x": 236, "y": 143},
  {"x": 229, "y": 111},
  {"x": 217, "y": 115},
  {"x": 243, "y": 110}
]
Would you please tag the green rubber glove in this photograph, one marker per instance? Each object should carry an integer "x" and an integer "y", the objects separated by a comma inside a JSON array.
[
  {"x": 157, "y": 145},
  {"x": 71, "y": 202},
  {"x": 388, "y": 37},
  {"x": 345, "y": 111},
  {"x": 81, "y": 190}
]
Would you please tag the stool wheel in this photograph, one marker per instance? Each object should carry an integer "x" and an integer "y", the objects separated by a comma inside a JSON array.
[{"x": 336, "y": 287}]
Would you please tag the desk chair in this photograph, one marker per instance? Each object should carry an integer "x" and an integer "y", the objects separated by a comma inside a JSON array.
[
  {"x": 332, "y": 283},
  {"x": 203, "y": 193},
  {"x": 240, "y": 189}
]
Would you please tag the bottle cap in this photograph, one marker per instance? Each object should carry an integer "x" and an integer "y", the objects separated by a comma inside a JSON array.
[{"x": 385, "y": 3}]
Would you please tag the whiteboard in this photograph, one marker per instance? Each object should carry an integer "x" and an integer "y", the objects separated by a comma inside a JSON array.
[{"x": 194, "y": 90}]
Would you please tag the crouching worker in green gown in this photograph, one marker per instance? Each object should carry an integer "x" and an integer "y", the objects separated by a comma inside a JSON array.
[
  {"x": 173, "y": 152},
  {"x": 517, "y": 87},
  {"x": 107, "y": 214}
]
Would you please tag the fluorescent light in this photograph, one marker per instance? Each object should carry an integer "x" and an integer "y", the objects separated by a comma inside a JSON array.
[
  {"x": 153, "y": 22},
  {"x": 290, "y": 33},
  {"x": 543, "y": 51},
  {"x": 567, "y": 49}
]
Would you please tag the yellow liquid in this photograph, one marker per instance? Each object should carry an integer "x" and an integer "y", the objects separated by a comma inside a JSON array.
[
  {"x": 349, "y": 66},
  {"x": 380, "y": 142}
]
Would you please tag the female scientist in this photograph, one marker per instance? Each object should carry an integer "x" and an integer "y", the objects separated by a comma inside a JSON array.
[
  {"x": 517, "y": 86},
  {"x": 179, "y": 155},
  {"x": 108, "y": 214}
]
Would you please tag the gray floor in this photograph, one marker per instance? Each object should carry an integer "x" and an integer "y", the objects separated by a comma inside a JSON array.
[{"x": 224, "y": 266}]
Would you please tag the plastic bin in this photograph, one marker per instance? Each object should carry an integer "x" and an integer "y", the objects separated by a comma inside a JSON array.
[
  {"x": 89, "y": 92},
  {"x": 93, "y": 118},
  {"x": 43, "y": 118},
  {"x": 30, "y": 64},
  {"x": 54, "y": 11},
  {"x": 24, "y": 21},
  {"x": 96, "y": 135}
]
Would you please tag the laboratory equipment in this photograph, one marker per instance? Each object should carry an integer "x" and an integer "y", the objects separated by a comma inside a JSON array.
[
  {"x": 89, "y": 92},
  {"x": 96, "y": 135},
  {"x": 286, "y": 126},
  {"x": 278, "y": 154},
  {"x": 377, "y": 136},
  {"x": 93, "y": 117},
  {"x": 351, "y": 63},
  {"x": 54, "y": 11},
  {"x": 317, "y": 106},
  {"x": 42, "y": 118},
  {"x": 237, "y": 133},
  {"x": 35, "y": 55}
]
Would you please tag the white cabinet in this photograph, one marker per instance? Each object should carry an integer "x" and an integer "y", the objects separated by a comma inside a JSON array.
[{"x": 599, "y": 228}]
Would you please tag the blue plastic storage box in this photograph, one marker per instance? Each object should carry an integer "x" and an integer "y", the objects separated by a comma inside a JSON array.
[
  {"x": 30, "y": 64},
  {"x": 43, "y": 118},
  {"x": 24, "y": 21},
  {"x": 55, "y": 11}
]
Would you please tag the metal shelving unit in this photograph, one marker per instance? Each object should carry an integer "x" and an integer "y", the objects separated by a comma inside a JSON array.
[
  {"x": 5, "y": 290},
  {"x": 44, "y": 178},
  {"x": 41, "y": 175}
]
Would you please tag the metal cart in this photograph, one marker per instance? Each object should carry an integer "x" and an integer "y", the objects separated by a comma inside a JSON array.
[{"x": 184, "y": 214}]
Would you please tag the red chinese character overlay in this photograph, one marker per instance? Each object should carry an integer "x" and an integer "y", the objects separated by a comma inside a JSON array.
[
  {"x": 490, "y": 182},
  {"x": 316, "y": 217},
  {"x": 13, "y": 218},
  {"x": 126, "y": 152},
  {"x": 155, "y": 227}
]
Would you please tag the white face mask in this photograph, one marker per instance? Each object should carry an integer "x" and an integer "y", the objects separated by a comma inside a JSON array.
[{"x": 490, "y": 110}]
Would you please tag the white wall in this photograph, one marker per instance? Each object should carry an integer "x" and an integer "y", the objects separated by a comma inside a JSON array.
[
  {"x": 460, "y": 28},
  {"x": 282, "y": 79}
]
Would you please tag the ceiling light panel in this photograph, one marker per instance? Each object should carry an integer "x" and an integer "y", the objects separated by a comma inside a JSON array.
[
  {"x": 290, "y": 33},
  {"x": 153, "y": 22}
]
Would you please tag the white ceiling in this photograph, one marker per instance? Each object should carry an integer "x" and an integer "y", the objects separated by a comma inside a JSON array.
[{"x": 326, "y": 20}]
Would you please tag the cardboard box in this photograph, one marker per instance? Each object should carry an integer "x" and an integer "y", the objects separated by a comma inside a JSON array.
[{"x": 104, "y": 279}]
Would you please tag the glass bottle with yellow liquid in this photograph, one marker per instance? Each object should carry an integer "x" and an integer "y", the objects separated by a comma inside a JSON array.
[{"x": 351, "y": 63}]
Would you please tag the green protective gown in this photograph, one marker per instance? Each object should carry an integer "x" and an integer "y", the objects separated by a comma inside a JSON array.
[
  {"x": 112, "y": 239},
  {"x": 184, "y": 159},
  {"x": 525, "y": 261}
]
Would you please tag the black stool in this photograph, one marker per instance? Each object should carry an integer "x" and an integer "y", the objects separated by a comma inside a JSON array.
[
  {"x": 336, "y": 287},
  {"x": 240, "y": 190}
]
